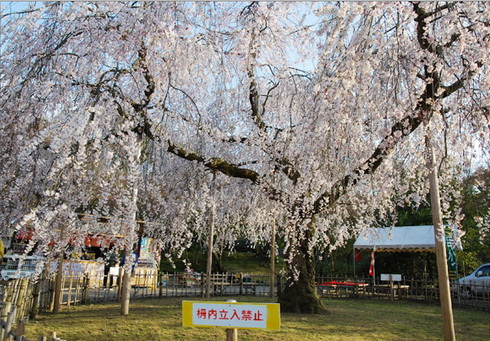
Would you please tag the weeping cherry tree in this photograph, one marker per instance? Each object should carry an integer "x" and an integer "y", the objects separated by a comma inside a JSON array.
[{"x": 310, "y": 115}]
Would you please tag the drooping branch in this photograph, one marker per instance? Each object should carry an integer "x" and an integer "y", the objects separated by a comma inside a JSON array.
[{"x": 406, "y": 125}]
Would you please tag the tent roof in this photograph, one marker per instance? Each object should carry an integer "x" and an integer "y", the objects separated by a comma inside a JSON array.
[{"x": 399, "y": 238}]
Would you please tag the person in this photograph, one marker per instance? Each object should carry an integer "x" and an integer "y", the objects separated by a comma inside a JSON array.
[
  {"x": 109, "y": 263},
  {"x": 134, "y": 257}
]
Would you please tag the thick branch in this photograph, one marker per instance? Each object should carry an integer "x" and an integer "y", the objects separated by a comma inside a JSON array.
[
  {"x": 254, "y": 87},
  {"x": 448, "y": 90},
  {"x": 216, "y": 164}
]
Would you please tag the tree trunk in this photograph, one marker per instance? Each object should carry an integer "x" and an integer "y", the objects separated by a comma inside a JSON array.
[{"x": 300, "y": 295}]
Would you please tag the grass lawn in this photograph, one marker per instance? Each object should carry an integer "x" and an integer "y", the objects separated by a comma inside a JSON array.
[{"x": 347, "y": 319}]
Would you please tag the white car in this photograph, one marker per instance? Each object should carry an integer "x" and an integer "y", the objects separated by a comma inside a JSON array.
[{"x": 477, "y": 283}]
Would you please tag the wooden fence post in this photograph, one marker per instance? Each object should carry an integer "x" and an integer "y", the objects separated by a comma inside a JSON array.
[
  {"x": 85, "y": 288},
  {"x": 160, "y": 283},
  {"x": 21, "y": 299},
  {"x": 5, "y": 313},
  {"x": 12, "y": 291},
  {"x": 241, "y": 284},
  {"x": 35, "y": 300},
  {"x": 10, "y": 322},
  {"x": 20, "y": 330},
  {"x": 203, "y": 283}
]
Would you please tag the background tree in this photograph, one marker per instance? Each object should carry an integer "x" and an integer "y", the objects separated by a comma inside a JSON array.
[
  {"x": 310, "y": 115},
  {"x": 475, "y": 207}
]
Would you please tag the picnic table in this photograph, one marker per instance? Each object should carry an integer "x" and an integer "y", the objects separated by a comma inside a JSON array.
[
  {"x": 393, "y": 290},
  {"x": 337, "y": 288}
]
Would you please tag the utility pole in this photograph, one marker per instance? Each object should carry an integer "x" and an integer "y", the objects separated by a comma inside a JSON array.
[{"x": 442, "y": 269}]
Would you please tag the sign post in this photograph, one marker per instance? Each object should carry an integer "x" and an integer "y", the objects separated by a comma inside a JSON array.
[
  {"x": 392, "y": 278},
  {"x": 231, "y": 315},
  {"x": 232, "y": 334}
]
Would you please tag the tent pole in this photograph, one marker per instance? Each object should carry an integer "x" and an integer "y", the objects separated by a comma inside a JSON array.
[
  {"x": 354, "y": 261},
  {"x": 374, "y": 269}
]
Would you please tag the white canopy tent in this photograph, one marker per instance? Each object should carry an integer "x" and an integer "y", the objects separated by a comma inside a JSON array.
[{"x": 397, "y": 239}]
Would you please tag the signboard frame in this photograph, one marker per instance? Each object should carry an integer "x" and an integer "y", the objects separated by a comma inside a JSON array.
[{"x": 231, "y": 315}]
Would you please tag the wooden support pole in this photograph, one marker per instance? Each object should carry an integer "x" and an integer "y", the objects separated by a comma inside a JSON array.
[
  {"x": 128, "y": 262},
  {"x": 273, "y": 260},
  {"x": 70, "y": 282},
  {"x": 209, "y": 262},
  {"x": 57, "y": 286},
  {"x": 59, "y": 276},
  {"x": 126, "y": 283},
  {"x": 442, "y": 269},
  {"x": 52, "y": 289}
]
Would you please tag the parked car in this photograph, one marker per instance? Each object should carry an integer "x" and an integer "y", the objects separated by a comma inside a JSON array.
[{"x": 477, "y": 283}]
